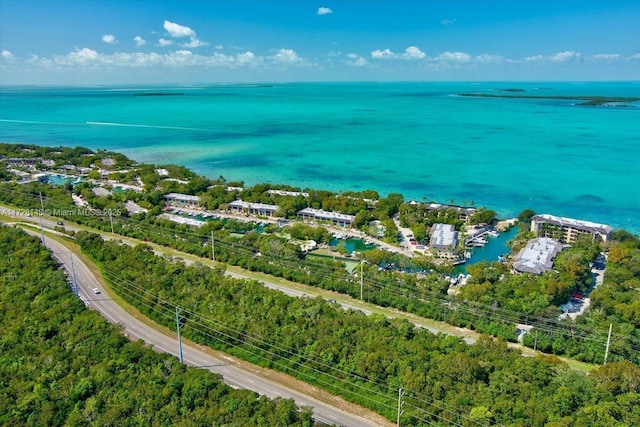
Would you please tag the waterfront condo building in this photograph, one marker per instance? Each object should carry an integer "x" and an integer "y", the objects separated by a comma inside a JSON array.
[
  {"x": 182, "y": 200},
  {"x": 335, "y": 218},
  {"x": 537, "y": 257},
  {"x": 259, "y": 209},
  {"x": 444, "y": 239},
  {"x": 567, "y": 230}
]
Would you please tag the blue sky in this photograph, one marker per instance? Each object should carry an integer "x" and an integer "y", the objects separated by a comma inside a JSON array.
[{"x": 145, "y": 41}]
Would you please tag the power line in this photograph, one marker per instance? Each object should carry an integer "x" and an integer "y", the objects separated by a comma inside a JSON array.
[{"x": 477, "y": 310}]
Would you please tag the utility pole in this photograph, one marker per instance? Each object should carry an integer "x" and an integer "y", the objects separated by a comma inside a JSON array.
[
  {"x": 179, "y": 337},
  {"x": 400, "y": 394},
  {"x": 361, "y": 280},
  {"x": 40, "y": 218},
  {"x": 73, "y": 275},
  {"x": 111, "y": 221},
  {"x": 535, "y": 343},
  {"x": 213, "y": 248},
  {"x": 606, "y": 352}
]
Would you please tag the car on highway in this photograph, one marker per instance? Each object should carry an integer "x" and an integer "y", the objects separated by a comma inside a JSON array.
[{"x": 96, "y": 290}]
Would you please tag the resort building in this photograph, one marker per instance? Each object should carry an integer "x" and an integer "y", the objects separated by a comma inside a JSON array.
[
  {"x": 341, "y": 220},
  {"x": 12, "y": 161},
  {"x": 464, "y": 213},
  {"x": 231, "y": 189},
  {"x": 287, "y": 193},
  {"x": 101, "y": 191},
  {"x": 259, "y": 209},
  {"x": 567, "y": 230},
  {"x": 182, "y": 200},
  {"x": 537, "y": 257},
  {"x": 444, "y": 238},
  {"x": 134, "y": 208}
]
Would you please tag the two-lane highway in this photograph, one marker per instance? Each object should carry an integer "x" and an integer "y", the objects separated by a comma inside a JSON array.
[{"x": 192, "y": 355}]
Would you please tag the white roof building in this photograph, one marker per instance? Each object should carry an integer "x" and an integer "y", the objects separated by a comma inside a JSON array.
[
  {"x": 287, "y": 193},
  {"x": 335, "y": 218},
  {"x": 260, "y": 209},
  {"x": 568, "y": 229},
  {"x": 182, "y": 199},
  {"x": 537, "y": 257},
  {"x": 444, "y": 237}
]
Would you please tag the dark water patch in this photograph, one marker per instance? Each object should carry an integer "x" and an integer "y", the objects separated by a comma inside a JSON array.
[
  {"x": 217, "y": 136},
  {"x": 241, "y": 160},
  {"x": 322, "y": 173},
  {"x": 589, "y": 198},
  {"x": 574, "y": 145},
  {"x": 415, "y": 186},
  {"x": 292, "y": 154},
  {"x": 291, "y": 129},
  {"x": 157, "y": 94},
  {"x": 478, "y": 186}
]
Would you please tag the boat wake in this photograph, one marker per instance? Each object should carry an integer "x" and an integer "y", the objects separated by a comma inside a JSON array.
[{"x": 130, "y": 125}]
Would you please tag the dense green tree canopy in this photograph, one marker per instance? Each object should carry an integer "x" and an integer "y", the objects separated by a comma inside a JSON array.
[{"x": 61, "y": 364}]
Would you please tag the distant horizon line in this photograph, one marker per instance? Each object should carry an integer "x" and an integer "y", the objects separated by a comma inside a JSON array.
[{"x": 266, "y": 82}]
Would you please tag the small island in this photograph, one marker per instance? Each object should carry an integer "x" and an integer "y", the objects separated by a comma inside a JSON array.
[
  {"x": 590, "y": 101},
  {"x": 158, "y": 94}
]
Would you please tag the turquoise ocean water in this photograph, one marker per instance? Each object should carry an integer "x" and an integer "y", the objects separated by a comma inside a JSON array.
[{"x": 418, "y": 139}]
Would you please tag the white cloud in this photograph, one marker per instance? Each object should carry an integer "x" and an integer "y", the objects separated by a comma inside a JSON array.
[
  {"x": 286, "y": 56},
  {"x": 109, "y": 39},
  {"x": 487, "y": 58},
  {"x": 218, "y": 47},
  {"x": 84, "y": 56},
  {"x": 453, "y": 57},
  {"x": 139, "y": 41},
  {"x": 195, "y": 43},
  {"x": 448, "y": 21},
  {"x": 177, "y": 30},
  {"x": 559, "y": 57},
  {"x": 383, "y": 54},
  {"x": 413, "y": 52},
  {"x": 535, "y": 58},
  {"x": 568, "y": 55},
  {"x": 246, "y": 57},
  {"x": 635, "y": 56},
  {"x": 88, "y": 58},
  {"x": 180, "y": 31},
  {"x": 356, "y": 60},
  {"x": 605, "y": 57},
  {"x": 6, "y": 54},
  {"x": 164, "y": 42},
  {"x": 324, "y": 11}
]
